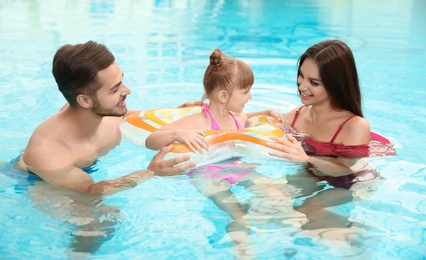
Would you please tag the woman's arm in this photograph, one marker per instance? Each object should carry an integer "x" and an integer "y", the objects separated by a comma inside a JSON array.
[
  {"x": 54, "y": 163},
  {"x": 335, "y": 167},
  {"x": 292, "y": 150}
]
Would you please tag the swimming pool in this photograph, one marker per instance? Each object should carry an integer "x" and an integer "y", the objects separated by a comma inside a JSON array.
[{"x": 162, "y": 48}]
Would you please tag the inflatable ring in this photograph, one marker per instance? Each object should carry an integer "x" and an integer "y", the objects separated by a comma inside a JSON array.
[{"x": 224, "y": 144}]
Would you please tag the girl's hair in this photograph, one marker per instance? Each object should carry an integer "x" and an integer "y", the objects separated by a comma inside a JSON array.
[
  {"x": 226, "y": 73},
  {"x": 338, "y": 73},
  {"x": 75, "y": 68}
]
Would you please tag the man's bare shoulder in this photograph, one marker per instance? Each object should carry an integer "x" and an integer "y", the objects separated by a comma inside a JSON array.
[
  {"x": 46, "y": 149},
  {"x": 46, "y": 154},
  {"x": 54, "y": 163},
  {"x": 112, "y": 121}
]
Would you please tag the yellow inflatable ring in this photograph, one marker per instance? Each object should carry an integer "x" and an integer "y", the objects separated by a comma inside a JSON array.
[{"x": 224, "y": 144}]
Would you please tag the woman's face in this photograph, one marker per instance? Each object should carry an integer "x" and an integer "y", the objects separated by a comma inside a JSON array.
[{"x": 311, "y": 88}]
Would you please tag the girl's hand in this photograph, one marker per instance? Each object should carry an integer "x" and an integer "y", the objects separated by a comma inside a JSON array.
[
  {"x": 191, "y": 104},
  {"x": 276, "y": 114},
  {"x": 288, "y": 148},
  {"x": 195, "y": 140},
  {"x": 285, "y": 125}
]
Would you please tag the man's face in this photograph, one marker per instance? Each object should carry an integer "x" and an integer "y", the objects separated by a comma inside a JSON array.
[{"x": 110, "y": 99}]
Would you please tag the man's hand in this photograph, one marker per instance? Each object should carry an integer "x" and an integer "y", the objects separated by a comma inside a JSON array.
[{"x": 170, "y": 167}]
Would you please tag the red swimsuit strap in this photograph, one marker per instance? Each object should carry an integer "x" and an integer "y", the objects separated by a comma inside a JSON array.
[
  {"x": 335, "y": 134},
  {"x": 296, "y": 115},
  {"x": 340, "y": 128}
]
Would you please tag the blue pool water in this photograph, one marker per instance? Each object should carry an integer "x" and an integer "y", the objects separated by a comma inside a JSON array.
[{"x": 162, "y": 48}]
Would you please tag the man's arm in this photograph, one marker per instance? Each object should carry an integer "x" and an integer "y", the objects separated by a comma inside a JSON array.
[
  {"x": 76, "y": 179},
  {"x": 58, "y": 169}
]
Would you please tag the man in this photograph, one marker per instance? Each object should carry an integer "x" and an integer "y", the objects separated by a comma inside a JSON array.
[{"x": 88, "y": 125}]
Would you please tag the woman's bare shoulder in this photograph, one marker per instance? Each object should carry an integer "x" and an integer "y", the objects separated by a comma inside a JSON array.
[
  {"x": 356, "y": 131},
  {"x": 291, "y": 114}
]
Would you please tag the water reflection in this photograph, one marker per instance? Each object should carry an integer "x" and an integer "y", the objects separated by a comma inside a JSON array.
[
  {"x": 318, "y": 193},
  {"x": 309, "y": 211},
  {"x": 87, "y": 219},
  {"x": 163, "y": 43},
  {"x": 269, "y": 208}
]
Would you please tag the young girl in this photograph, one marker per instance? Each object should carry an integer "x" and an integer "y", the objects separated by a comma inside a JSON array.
[{"x": 227, "y": 84}]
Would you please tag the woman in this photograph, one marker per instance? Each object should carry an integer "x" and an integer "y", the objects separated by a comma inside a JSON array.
[
  {"x": 330, "y": 133},
  {"x": 328, "y": 86}
]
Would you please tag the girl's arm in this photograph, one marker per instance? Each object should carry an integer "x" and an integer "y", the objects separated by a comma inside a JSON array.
[
  {"x": 181, "y": 131},
  {"x": 270, "y": 112},
  {"x": 194, "y": 139}
]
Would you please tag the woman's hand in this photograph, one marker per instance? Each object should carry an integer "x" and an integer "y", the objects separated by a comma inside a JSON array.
[
  {"x": 285, "y": 125},
  {"x": 288, "y": 148},
  {"x": 195, "y": 140}
]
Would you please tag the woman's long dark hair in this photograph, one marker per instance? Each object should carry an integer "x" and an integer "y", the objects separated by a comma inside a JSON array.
[{"x": 338, "y": 73}]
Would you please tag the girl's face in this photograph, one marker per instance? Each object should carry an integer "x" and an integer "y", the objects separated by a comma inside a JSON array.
[
  {"x": 311, "y": 88},
  {"x": 239, "y": 98}
]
